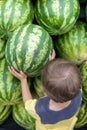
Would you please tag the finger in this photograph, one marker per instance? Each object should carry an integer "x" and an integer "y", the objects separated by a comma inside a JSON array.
[
  {"x": 9, "y": 68},
  {"x": 49, "y": 57},
  {"x": 13, "y": 71},
  {"x": 23, "y": 74},
  {"x": 53, "y": 53}
]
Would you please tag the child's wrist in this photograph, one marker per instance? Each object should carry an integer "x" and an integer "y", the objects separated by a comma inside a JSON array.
[{"x": 23, "y": 80}]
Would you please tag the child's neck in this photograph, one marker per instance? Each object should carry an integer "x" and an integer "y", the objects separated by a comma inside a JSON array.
[{"x": 58, "y": 106}]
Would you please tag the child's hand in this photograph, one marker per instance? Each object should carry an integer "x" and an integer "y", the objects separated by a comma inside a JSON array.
[
  {"x": 20, "y": 75},
  {"x": 52, "y": 56}
]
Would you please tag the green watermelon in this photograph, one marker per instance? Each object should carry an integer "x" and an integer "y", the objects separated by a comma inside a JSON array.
[
  {"x": 82, "y": 116},
  {"x": 14, "y": 13},
  {"x": 73, "y": 45},
  {"x": 2, "y": 48},
  {"x": 38, "y": 86},
  {"x": 83, "y": 70},
  {"x": 57, "y": 16},
  {"x": 10, "y": 89},
  {"x": 5, "y": 111},
  {"x": 28, "y": 49},
  {"x": 22, "y": 117}
]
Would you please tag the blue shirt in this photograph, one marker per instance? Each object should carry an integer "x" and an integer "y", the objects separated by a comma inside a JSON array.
[{"x": 48, "y": 116}]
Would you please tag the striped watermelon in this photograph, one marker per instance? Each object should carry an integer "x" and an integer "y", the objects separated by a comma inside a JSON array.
[
  {"x": 73, "y": 45},
  {"x": 57, "y": 16},
  {"x": 22, "y": 117},
  {"x": 28, "y": 49},
  {"x": 4, "y": 112},
  {"x": 2, "y": 48},
  {"x": 10, "y": 89},
  {"x": 14, "y": 13},
  {"x": 82, "y": 116},
  {"x": 83, "y": 70},
  {"x": 38, "y": 86}
]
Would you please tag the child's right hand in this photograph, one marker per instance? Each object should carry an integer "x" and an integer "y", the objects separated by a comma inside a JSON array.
[
  {"x": 52, "y": 56},
  {"x": 20, "y": 75}
]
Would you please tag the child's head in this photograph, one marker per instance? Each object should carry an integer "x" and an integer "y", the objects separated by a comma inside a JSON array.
[{"x": 61, "y": 80}]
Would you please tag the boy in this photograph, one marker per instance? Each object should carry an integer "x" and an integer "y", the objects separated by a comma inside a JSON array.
[{"x": 61, "y": 82}]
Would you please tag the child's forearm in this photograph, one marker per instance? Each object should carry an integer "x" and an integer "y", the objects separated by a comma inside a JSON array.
[{"x": 26, "y": 94}]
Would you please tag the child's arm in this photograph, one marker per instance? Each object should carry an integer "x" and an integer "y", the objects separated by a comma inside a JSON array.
[{"x": 26, "y": 94}]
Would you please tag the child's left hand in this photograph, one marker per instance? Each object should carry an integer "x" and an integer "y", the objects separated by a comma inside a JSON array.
[
  {"x": 52, "y": 56},
  {"x": 20, "y": 75}
]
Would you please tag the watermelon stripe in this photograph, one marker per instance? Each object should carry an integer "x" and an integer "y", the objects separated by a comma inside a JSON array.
[
  {"x": 38, "y": 50},
  {"x": 70, "y": 7},
  {"x": 61, "y": 11},
  {"x": 19, "y": 58},
  {"x": 2, "y": 14},
  {"x": 30, "y": 17},
  {"x": 4, "y": 79},
  {"x": 78, "y": 38},
  {"x": 49, "y": 11},
  {"x": 11, "y": 15},
  {"x": 67, "y": 10},
  {"x": 2, "y": 48},
  {"x": 8, "y": 5},
  {"x": 25, "y": 45},
  {"x": 4, "y": 113},
  {"x": 8, "y": 49},
  {"x": 16, "y": 41}
]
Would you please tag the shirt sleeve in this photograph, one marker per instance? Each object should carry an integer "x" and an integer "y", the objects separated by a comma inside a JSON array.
[{"x": 30, "y": 107}]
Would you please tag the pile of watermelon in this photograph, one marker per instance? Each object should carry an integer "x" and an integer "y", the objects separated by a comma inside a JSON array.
[{"x": 29, "y": 30}]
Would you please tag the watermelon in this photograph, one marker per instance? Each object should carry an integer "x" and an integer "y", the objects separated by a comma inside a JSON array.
[
  {"x": 38, "y": 86},
  {"x": 73, "y": 45},
  {"x": 2, "y": 48},
  {"x": 14, "y": 13},
  {"x": 5, "y": 111},
  {"x": 22, "y": 117},
  {"x": 82, "y": 116},
  {"x": 10, "y": 89},
  {"x": 57, "y": 16},
  {"x": 28, "y": 49},
  {"x": 83, "y": 70}
]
